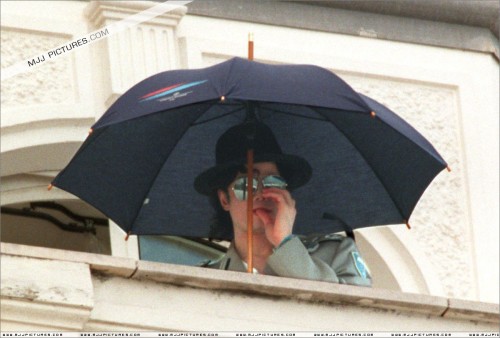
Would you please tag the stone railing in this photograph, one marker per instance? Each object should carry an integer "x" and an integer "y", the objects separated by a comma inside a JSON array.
[{"x": 49, "y": 289}]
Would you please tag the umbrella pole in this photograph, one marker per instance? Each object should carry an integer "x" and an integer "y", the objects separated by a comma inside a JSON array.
[
  {"x": 250, "y": 210},
  {"x": 250, "y": 185}
]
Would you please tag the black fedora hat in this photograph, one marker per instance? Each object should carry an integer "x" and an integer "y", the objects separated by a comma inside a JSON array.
[{"x": 231, "y": 153}]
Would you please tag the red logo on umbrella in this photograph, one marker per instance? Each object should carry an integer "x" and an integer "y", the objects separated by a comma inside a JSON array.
[{"x": 170, "y": 90}]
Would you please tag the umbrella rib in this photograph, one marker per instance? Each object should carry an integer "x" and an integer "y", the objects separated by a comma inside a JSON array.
[
  {"x": 297, "y": 115},
  {"x": 217, "y": 117},
  {"x": 364, "y": 158}
]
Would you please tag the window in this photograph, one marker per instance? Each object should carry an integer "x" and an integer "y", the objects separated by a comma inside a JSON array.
[{"x": 177, "y": 250}]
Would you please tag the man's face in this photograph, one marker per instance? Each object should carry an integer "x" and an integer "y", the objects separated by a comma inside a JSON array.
[{"x": 238, "y": 209}]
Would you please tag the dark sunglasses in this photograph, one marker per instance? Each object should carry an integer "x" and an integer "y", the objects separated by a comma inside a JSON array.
[{"x": 272, "y": 181}]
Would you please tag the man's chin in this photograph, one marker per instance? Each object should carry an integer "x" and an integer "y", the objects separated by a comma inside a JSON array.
[{"x": 258, "y": 227}]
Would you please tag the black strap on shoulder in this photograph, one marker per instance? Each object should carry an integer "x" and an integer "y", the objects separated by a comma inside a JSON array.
[
  {"x": 347, "y": 228},
  {"x": 221, "y": 263}
]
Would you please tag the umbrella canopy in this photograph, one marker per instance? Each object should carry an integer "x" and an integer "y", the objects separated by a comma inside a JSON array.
[{"x": 139, "y": 164}]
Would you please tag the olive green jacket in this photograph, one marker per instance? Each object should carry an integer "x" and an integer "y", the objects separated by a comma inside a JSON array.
[{"x": 331, "y": 258}]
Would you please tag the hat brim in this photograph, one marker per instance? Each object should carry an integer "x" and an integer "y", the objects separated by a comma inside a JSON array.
[{"x": 296, "y": 170}]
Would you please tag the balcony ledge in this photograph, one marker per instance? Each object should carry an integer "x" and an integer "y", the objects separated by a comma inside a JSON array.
[{"x": 102, "y": 293}]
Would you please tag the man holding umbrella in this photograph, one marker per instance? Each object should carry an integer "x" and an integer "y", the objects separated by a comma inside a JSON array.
[{"x": 276, "y": 251}]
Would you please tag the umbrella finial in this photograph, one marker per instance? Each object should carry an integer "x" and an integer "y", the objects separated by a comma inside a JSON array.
[
  {"x": 49, "y": 188},
  {"x": 372, "y": 114},
  {"x": 408, "y": 225},
  {"x": 250, "y": 46}
]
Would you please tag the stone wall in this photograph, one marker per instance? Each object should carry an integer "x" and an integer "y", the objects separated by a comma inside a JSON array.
[{"x": 41, "y": 291}]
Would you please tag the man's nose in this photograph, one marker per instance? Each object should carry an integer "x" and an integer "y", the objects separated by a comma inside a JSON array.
[{"x": 258, "y": 193}]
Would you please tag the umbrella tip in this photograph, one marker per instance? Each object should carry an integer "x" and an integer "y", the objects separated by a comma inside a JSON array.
[
  {"x": 91, "y": 131},
  {"x": 408, "y": 225},
  {"x": 127, "y": 236},
  {"x": 448, "y": 168},
  {"x": 250, "y": 46},
  {"x": 222, "y": 98},
  {"x": 372, "y": 114},
  {"x": 49, "y": 188}
]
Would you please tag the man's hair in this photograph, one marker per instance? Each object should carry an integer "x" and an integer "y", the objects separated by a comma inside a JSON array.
[{"x": 221, "y": 225}]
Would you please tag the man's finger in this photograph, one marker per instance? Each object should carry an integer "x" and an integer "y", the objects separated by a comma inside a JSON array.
[
  {"x": 279, "y": 195},
  {"x": 264, "y": 216}
]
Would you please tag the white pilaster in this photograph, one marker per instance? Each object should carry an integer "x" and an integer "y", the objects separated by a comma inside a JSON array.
[{"x": 137, "y": 52}]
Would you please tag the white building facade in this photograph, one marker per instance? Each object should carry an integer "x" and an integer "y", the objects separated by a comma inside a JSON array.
[{"x": 440, "y": 72}]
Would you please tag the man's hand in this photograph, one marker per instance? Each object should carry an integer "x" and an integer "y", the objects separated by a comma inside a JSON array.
[{"x": 278, "y": 224}]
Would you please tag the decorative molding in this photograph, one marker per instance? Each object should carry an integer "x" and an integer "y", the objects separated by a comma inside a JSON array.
[
  {"x": 89, "y": 292},
  {"x": 411, "y": 21},
  {"x": 140, "y": 51},
  {"x": 47, "y": 156},
  {"x": 51, "y": 83},
  {"x": 41, "y": 138},
  {"x": 48, "y": 293},
  {"x": 392, "y": 262},
  {"x": 27, "y": 315},
  {"x": 100, "y": 11},
  {"x": 28, "y": 187},
  {"x": 39, "y": 133}
]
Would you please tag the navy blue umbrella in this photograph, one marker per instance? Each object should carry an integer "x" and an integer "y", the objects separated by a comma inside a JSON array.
[{"x": 138, "y": 165}]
